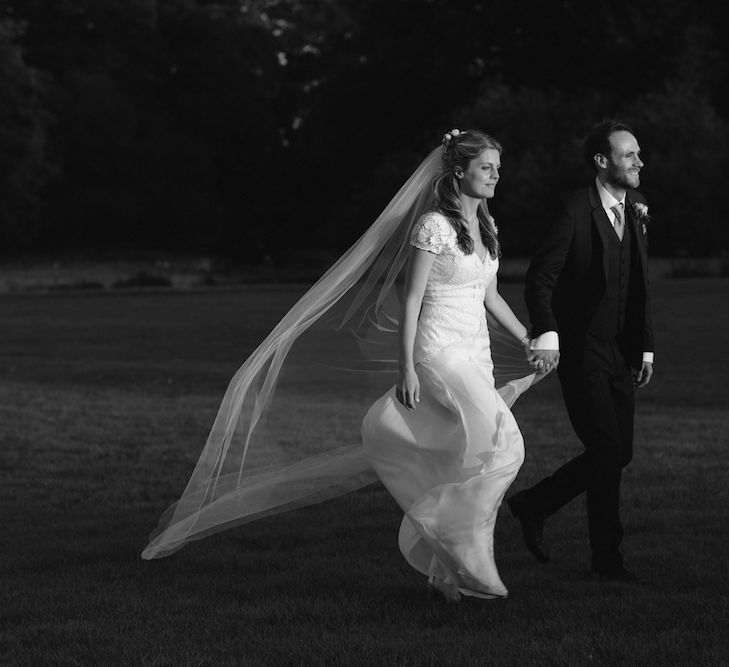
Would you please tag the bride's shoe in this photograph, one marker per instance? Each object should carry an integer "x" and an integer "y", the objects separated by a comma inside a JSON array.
[{"x": 449, "y": 591}]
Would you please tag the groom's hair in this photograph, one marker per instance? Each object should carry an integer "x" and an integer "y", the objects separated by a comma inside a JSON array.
[{"x": 598, "y": 139}]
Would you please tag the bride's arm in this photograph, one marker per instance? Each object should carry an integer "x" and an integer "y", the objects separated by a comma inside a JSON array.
[
  {"x": 504, "y": 315},
  {"x": 419, "y": 265}
]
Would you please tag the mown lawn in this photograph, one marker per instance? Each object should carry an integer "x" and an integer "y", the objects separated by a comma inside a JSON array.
[{"x": 105, "y": 403}]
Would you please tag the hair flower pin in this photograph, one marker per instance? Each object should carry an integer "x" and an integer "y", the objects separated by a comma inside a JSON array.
[{"x": 448, "y": 136}]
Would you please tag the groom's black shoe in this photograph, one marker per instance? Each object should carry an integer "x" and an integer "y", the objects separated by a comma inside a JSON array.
[
  {"x": 532, "y": 525},
  {"x": 621, "y": 575}
]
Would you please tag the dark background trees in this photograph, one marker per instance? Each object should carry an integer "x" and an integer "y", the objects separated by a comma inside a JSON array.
[{"x": 254, "y": 128}]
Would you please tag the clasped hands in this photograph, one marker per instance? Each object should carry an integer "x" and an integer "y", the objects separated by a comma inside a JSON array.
[{"x": 543, "y": 361}]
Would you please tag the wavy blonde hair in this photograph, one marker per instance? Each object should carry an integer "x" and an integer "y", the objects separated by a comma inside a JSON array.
[{"x": 458, "y": 151}]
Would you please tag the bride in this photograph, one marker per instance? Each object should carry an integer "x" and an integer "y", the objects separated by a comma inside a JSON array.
[
  {"x": 410, "y": 300},
  {"x": 450, "y": 448}
]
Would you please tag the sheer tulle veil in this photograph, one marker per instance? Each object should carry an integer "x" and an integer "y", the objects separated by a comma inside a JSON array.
[{"x": 287, "y": 433}]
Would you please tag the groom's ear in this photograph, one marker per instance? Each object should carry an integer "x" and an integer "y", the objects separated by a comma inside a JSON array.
[{"x": 600, "y": 160}]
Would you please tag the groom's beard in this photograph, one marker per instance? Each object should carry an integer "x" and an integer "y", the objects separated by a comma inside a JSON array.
[{"x": 623, "y": 178}]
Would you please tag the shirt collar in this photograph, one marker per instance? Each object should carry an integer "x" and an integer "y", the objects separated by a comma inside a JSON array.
[{"x": 607, "y": 200}]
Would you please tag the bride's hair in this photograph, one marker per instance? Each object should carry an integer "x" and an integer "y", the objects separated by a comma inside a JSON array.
[{"x": 459, "y": 148}]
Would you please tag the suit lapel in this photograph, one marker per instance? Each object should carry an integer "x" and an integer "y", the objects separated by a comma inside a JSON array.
[{"x": 602, "y": 224}]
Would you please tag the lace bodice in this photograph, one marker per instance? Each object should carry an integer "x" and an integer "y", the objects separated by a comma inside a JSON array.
[{"x": 453, "y": 310}]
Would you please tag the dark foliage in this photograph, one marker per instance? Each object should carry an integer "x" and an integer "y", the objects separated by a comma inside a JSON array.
[
  {"x": 258, "y": 128},
  {"x": 24, "y": 165}
]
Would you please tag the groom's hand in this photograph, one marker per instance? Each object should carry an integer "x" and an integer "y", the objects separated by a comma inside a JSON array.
[
  {"x": 642, "y": 377},
  {"x": 544, "y": 360}
]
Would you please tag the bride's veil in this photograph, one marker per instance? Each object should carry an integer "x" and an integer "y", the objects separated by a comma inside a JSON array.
[{"x": 287, "y": 433}]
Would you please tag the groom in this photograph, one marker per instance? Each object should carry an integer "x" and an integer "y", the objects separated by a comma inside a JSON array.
[{"x": 587, "y": 295}]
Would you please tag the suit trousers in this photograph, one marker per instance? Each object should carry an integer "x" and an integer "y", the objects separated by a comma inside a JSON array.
[{"x": 598, "y": 393}]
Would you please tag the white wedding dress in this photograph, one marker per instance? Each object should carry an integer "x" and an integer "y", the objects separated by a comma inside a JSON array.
[{"x": 449, "y": 462}]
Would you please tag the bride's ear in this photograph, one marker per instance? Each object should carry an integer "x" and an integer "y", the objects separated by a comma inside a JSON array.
[{"x": 458, "y": 173}]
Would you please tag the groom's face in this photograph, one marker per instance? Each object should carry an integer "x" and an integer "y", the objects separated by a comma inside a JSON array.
[{"x": 623, "y": 163}]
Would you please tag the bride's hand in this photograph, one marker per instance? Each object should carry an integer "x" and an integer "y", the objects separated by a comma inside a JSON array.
[
  {"x": 526, "y": 344},
  {"x": 408, "y": 388}
]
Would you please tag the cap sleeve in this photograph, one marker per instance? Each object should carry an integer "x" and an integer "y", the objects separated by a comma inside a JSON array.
[{"x": 432, "y": 233}]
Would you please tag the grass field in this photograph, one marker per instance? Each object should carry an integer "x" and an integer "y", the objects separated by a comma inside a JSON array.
[{"x": 106, "y": 401}]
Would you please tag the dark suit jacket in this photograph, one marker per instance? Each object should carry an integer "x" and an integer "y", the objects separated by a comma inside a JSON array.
[{"x": 567, "y": 276}]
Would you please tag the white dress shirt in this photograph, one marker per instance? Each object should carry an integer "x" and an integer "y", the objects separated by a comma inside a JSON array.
[{"x": 549, "y": 340}]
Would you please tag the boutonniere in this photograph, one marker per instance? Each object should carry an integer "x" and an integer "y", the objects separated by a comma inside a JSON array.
[{"x": 642, "y": 217}]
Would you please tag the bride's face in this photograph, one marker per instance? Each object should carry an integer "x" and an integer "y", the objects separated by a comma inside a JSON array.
[{"x": 480, "y": 178}]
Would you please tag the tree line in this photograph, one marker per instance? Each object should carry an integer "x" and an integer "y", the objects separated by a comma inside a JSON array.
[{"x": 280, "y": 128}]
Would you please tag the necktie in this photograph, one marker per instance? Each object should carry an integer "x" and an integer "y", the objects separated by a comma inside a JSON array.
[{"x": 619, "y": 224}]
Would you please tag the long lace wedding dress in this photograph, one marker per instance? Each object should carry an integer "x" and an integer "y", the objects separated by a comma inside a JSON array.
[{"x": 449, "y": 462}]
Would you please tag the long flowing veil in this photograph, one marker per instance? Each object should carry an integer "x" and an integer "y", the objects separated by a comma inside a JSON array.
[{"x": 287, "y": 433}]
